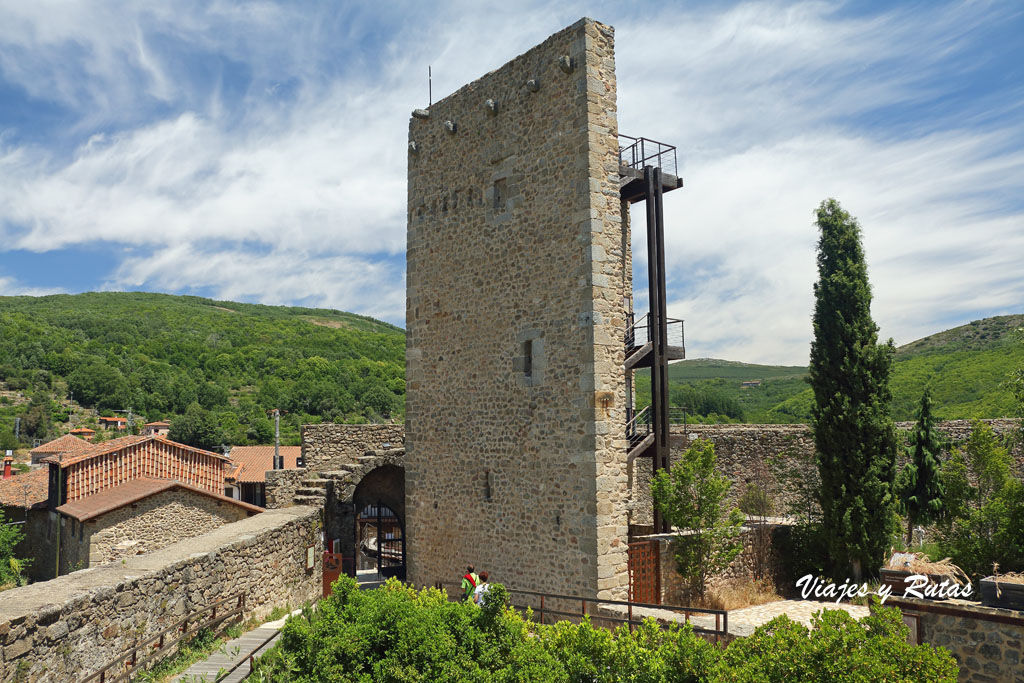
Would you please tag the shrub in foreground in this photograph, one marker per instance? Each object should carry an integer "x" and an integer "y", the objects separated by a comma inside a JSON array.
[{"x": 397, "y": 634}]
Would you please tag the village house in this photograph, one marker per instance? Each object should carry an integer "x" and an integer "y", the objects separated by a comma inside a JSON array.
[
  {"x": 116, "y": 423},
  {"x": 158, "y": 428},
  {"x": 84, "y": 432},
  {"x": 23, "y": 502},
  {"x": 247, "y": 479},
  {"x": 126, "y": 496},
  {"x": 67, "y": 444}
]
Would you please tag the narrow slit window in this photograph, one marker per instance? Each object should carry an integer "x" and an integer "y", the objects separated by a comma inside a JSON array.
[
  {"x": 528, "y": 358},
  {"x": 500, "y": 194}
]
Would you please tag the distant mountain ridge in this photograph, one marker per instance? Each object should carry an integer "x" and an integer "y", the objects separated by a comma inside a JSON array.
[{"x": 965, "y": 367}]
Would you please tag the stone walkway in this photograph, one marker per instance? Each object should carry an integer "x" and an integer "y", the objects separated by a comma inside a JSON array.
[{"x": 743, "y": 622}]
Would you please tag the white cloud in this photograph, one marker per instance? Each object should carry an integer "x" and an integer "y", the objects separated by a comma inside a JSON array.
[{"x": 294, "y": 189}]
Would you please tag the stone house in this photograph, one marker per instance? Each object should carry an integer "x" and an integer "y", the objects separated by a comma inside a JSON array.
[
  {"x": 116, "y": 423},
  {"x": 139, "y": 516},
  {"x": 131, "y": 495},
  {"x": 247, "y": 479},
  {"x": 23, "y": 501},
  {"x": 84, "y": 432},
  {"x": 159, "y": 428}
]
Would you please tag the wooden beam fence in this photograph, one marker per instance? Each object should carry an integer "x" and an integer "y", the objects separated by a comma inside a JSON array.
[{"x": 156, "y": 646}]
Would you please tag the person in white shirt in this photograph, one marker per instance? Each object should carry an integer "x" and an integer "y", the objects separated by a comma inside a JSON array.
[{"x": 481, "y": 589}]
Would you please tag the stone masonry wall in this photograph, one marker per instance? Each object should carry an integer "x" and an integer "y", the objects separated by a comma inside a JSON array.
[
  {"x": 516, "y": 257},
  {"x": 149, "y": 525},
  {"x": 987, "y": 643},
  {"x": 743, "y": 450},
  {"x": 64, "y": 629},
  {"x": 281, "y": 486},
  {"x": 327, "y": 446}
]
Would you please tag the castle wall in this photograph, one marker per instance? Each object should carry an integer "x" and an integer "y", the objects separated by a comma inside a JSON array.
[
  {"x": 745, "y": 453},
  {"x": 516, "y": 286},
  {"x": 71, "y": 626}
]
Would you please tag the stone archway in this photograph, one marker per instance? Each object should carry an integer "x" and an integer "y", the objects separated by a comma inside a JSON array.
[{"x": 368, "y": 497}]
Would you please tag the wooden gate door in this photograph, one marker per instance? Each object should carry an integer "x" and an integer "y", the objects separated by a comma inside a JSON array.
[{"x": 644, "y": 572}]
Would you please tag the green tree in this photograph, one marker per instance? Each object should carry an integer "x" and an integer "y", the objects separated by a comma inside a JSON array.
[
  {"x": 11, "y": 568},
  {"x": 1016, "y": 385},
  {"x": 692, "y": 498},
  {"x": 849, "y": 374},
  {"x": 920, "y": 487},
  {"x": 198, "y": 427}
]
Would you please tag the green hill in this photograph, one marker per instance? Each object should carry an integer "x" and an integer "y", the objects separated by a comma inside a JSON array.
[
  {"x": 159, "y": 354},
  {"x": 964, "y": 366}
]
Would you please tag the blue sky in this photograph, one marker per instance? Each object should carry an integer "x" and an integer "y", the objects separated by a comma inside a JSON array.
[{"x": 256, "y": 151}]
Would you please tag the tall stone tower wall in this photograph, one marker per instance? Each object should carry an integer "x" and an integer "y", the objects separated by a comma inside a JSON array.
[{"x": 517, "y": 289}]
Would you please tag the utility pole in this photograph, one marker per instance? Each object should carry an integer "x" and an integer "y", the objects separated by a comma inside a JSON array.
[{"x": 278, "y": 465}]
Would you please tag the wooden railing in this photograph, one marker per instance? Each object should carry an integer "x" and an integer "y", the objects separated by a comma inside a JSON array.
[{"x": 155, "y": 646}]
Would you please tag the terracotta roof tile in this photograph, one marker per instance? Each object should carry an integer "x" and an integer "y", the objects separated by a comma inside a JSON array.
[
  {"x": 133, "y": 491},
  {"x": 95, "y": 449},
  {"x": 158, "y": 423},
  {"x": 255, "y": 461},
  {"x": 64, "y": 444},
  {"x": 28, "y": 490}
]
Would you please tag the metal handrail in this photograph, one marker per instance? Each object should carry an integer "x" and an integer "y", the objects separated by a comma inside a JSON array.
[
  {"x": 638, "y": 332},
  {"x": 637, "y": 153},
  {"x": 639, "y": 426},
  {"x": 152, "y": 645},
  {"x": 721, "y": 616}
]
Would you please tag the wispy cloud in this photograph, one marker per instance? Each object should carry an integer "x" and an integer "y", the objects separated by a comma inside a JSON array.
[{"x": 257, "y": 151}]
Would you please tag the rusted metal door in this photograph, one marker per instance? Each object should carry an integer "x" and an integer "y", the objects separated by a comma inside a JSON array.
[{"x": 644, "y": 572}]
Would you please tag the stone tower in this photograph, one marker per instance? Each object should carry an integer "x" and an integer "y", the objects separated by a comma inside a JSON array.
[{"x": 519, "y": 279}]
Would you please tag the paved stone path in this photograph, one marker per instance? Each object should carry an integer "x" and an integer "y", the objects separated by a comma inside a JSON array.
[{"x": 743, "y": 622}]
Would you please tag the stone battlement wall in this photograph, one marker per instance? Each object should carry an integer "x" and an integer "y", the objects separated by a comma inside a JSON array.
[
  {"x": 743, "y": 450},
  {"x": 64, "y": 629}
]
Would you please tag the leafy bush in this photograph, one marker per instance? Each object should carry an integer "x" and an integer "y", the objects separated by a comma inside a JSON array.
[
  {"x": 837, "y": 648},
  {"x": 395, "y": 633},
  {"x": 984, "y": 505},
  {"x": 691, "y": 498}
]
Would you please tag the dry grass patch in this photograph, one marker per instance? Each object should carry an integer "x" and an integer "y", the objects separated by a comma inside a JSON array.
[
  {"x": 737, "y": 594},
  {"x": 919, "y": 563}
]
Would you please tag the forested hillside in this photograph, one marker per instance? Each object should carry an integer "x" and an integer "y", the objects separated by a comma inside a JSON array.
[
  {"x": 214, "y": 368},
  {"x": 966, "y": 368}
]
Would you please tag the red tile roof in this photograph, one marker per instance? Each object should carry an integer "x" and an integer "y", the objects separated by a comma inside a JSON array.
[
  {"x": 65, "y": 444},
  {"x": 28, "y": 490},
  {"x": 254, "y": 461},
  {"x": 113, "y": 419},
  {"x": 97, "y": 449},
  {"x": 157, "y": 424},
  {"x": 133, "y": 491},
  {"x": 83, "y": 430}
]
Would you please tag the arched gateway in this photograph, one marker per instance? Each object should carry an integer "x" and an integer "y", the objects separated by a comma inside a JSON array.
[{"x": 364, "y": 516}]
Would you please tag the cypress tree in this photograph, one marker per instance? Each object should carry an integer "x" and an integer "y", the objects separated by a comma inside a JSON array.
[
  {"x": 849, "y": 373},
  {"x": 920, "y": 488}
]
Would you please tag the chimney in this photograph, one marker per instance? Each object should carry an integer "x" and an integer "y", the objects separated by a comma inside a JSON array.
[{"x": 7, "y": 466}]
